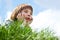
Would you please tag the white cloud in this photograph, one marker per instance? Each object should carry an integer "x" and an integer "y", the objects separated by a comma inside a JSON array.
[
  {"x": 8, "y": 15},
  {"x": 47, "y": 18},
  {"x": 54, "y": 4}
]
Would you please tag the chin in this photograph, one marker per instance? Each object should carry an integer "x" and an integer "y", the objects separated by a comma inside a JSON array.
[{"x": 27, "y": 22}]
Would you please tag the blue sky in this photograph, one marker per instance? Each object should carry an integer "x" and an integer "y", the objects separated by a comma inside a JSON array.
[{"x": 45, "y": 12}]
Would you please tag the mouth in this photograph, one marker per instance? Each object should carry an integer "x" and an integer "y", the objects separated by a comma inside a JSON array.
[{"x": 28, "y": 19}]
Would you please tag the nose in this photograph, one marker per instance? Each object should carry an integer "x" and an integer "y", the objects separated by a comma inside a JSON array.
[{"x": 28, "y": 14}]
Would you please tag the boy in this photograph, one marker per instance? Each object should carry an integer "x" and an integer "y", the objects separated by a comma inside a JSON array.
[{"x": 23, "y": 12}]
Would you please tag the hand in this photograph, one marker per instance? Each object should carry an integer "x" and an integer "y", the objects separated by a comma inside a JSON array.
[{"x": 20, "y": 17}]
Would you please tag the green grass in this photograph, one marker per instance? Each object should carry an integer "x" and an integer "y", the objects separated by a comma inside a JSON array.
[{"x": 14, "y": 31}]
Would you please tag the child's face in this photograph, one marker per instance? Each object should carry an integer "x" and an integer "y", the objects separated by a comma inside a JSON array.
[{"x": 25, "y": 14}]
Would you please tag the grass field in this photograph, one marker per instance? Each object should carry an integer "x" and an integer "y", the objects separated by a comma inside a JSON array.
[{"x": 15, "y": 32}]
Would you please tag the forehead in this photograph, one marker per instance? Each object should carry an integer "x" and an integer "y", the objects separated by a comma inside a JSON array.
[{"x": 27, "y": 9}]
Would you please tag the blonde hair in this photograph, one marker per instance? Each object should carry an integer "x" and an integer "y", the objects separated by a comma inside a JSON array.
[{"x": 19, "y": 9}]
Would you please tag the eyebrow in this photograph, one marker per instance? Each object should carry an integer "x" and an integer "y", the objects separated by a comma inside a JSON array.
[{"x": 30, "y": 12}]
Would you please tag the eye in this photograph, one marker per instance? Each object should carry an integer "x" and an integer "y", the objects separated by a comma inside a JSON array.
[
  {"x": 26, "y": 11},
  {"x": 31, "y": 13}
]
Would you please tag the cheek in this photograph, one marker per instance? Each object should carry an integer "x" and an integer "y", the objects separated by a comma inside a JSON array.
[
  {"x": 24, "y": 15},
  {"x": 31, "y": 17}
]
